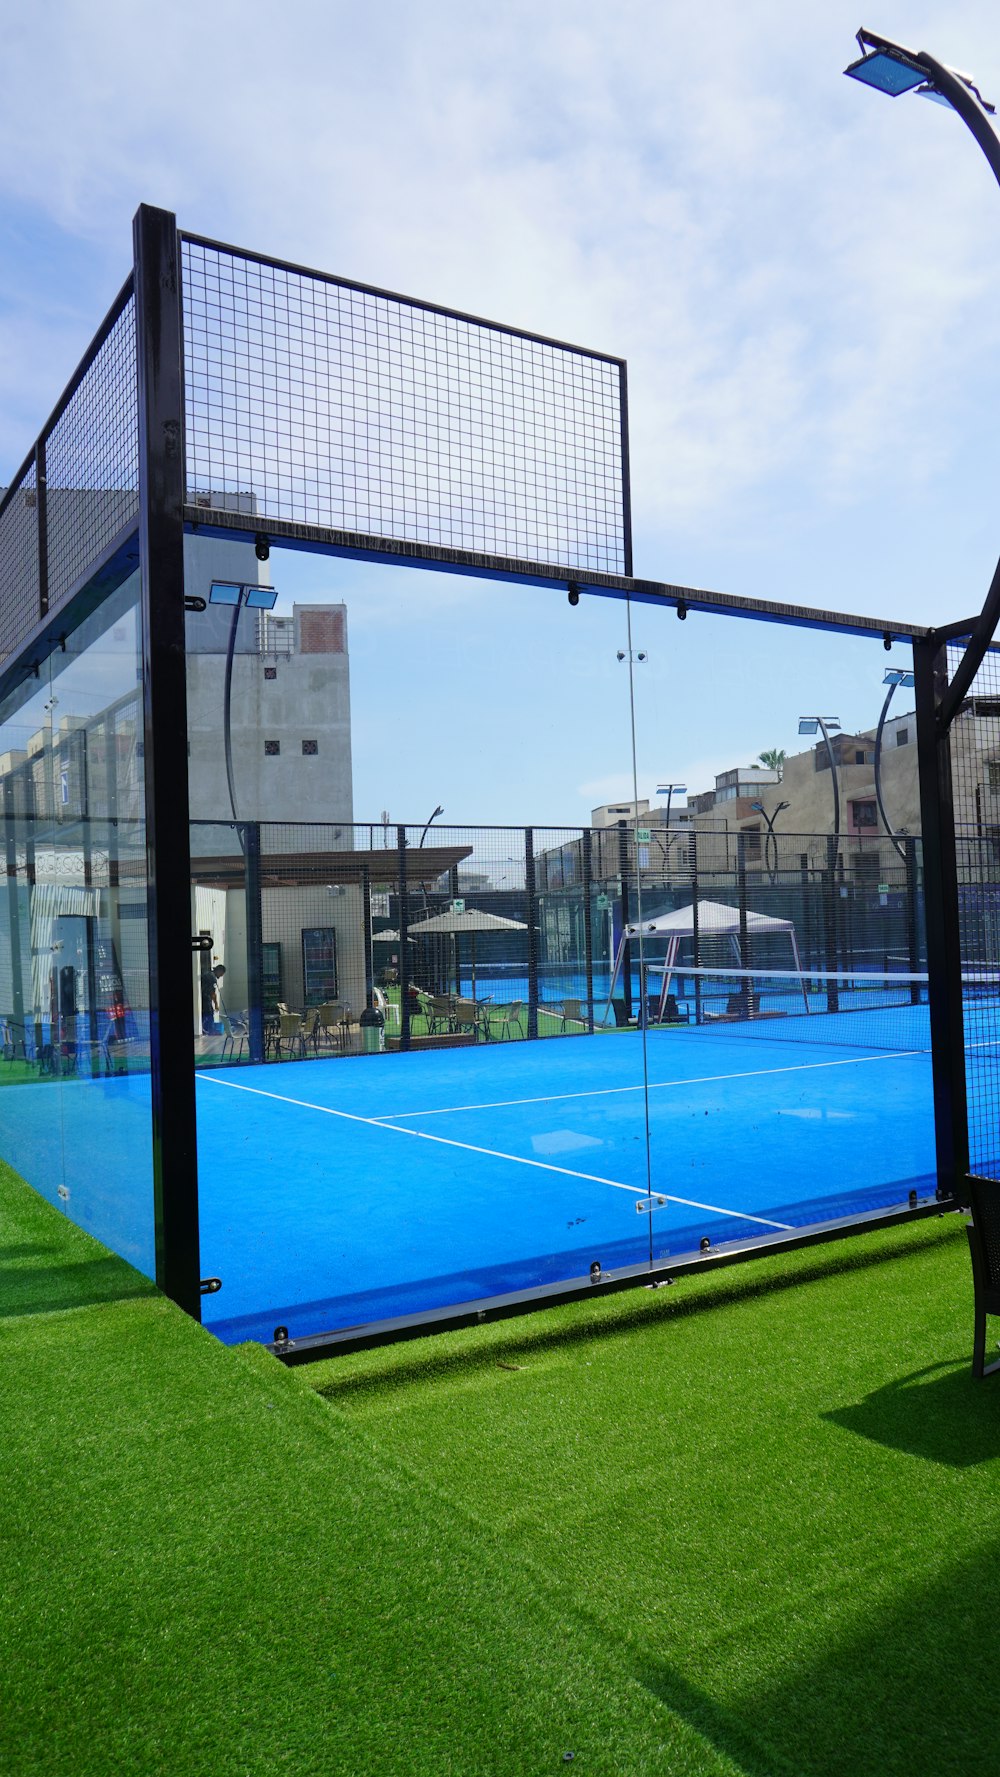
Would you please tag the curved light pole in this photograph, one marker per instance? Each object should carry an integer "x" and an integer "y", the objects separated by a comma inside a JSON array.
[
  {"x": 771, "y": 840},
  {"x": 893, "y": 678},
  {"x": 235, "y": 594},
  {"x": 892, "y": 69},
  {"x": 827, "y": 725}
]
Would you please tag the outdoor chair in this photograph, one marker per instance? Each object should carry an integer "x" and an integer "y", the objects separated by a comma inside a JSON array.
[
  {"x": 572, "y": 1012},
  {"x": 984, "y": 1249},
  {"x": 311, "y": 1029},
  {"x": 437, "y": 1009},
  {"x": 290, "y": 1035},
  {"x": 509, "y": 1017},
  {"x": 234, "y": 1031},
  {"x": 388, "y": 1008},
  {"x": 466, "y": 1015}
]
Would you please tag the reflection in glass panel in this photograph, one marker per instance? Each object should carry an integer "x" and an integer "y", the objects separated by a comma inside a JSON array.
[
  {"x": 74, "y": 977},
  {"x": 411, "y": 1093}
]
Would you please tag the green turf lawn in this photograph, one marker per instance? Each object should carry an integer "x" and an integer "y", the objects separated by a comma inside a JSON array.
[
  {"x": 770, "y": 1493},
  {"x": 743, "y": 1525},
  {"x": 205, "y": 1570}
]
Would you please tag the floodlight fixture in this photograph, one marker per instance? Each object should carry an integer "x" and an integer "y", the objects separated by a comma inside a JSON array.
[
  {"x": 225, "y": 592},
  {"x": 259, "y": 598},
  {"x": 895, "y": 676},
  {"x": 891, "y": 68}
]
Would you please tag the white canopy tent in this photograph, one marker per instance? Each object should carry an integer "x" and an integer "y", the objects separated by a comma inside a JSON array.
[{"x": 714, "y": 920}]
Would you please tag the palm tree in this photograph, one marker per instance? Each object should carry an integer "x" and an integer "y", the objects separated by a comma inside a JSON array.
[{"x": 774, "y": 759}]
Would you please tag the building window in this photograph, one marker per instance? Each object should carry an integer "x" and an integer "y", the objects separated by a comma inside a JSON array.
[
  {"x": 902, "y": 737},
  {"x": 865, "y": 814},
  {"x": 751, "y": 841},
  {"x": 270, "y": 672},
  {"x": 994, "y": 774},
  {"x": 310, "y": 748},
  {"x": 272, "y": 748}
]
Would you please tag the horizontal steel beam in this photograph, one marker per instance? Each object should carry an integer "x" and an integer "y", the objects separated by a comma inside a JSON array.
[{"x": 355, "y": 546}]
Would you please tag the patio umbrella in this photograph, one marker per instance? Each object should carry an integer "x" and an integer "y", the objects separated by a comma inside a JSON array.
[{"x": 472, "y": 920}]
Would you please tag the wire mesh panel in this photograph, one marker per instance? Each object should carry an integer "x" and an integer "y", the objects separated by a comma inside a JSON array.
[
  {"x": 975, "y": 754},
  {"x": 351, "y": 409},
  {"x": 18, "y": 563},
  {"x": 92, "y": 461}
]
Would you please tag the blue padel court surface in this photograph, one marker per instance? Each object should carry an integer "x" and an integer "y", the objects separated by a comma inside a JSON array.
[{"x": 336, "y": 1192}]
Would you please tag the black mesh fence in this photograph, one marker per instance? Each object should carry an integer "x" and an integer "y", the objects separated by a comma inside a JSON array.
[
  {"x": 355, "y": 410},
  {"x": 975, "y": 752},
  {"x": 92, "y": 461},
  {"x": 478, "y": 934},
  {"x": 78, "y": 492}
]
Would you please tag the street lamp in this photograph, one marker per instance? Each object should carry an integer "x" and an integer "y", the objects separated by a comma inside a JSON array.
[
  {"x": 668, "y": 790},
  {"x": 826, "y": 725},
  {"x": 893, "y": 678},
  {"x": 892, "y": 69},
  {"x": 235, "y": 594},
  {"x": 430, "y": 818},
  {"x": 771, "y": 840}
]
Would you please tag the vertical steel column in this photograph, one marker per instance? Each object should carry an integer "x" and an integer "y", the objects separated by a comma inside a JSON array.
[
  {"x": 159, "y": 351},
  {"x": 626, "y": 945},
  {"x": 531, "y": 915},
  {"x": 13, "y": 908},
  {"x": 404, "y": 970},
  {"x": 695, "y": 934},
  {"x": 912, "y": 916},
  {"x": 941, "y": 918},
  {"x": 30, "y": 835},
  {"x": 746, "y": 1000},
  {"x": 830, "y": 922},
  {"x": 255, "y": 938},
  {"x": 587, "y": 871},
  {"x": 366, "y": 914}
]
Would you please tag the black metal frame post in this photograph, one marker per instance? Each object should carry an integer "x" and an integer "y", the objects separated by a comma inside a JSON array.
[
  {"x": 746, "y": 1000},
  {"x": 912, "y": 916},
  {"x": 13, "y": 907},
  {"x": 254, "y": 916},
  {"x": 624, "y": 897},
  {"x": 404, "y": 938},
  {"x": 159, "y": 353},
  {"x": 830, "y": 959},
  {"x": 587, "y": 870},
  {"x": 366, "y": 915},
  {"x": 531, "y": 915},
  {"x": 941, "y": 917}
]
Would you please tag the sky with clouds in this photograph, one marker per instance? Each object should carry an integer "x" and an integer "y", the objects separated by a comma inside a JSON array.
[{"x": 800, "y": 273}]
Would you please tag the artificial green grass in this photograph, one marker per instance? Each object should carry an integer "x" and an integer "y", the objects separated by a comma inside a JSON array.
[
  {"x": 205, "y": 1570},
  {"x": 770, "y": 1493}
]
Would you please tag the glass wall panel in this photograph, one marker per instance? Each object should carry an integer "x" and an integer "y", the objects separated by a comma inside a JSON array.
[
  {"x": 782, "y": 951},
  {"x": 74, "y": 977},
  {"x": 414, "y": 1089}
]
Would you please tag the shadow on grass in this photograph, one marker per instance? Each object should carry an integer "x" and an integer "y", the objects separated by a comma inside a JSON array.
[
  {"x": 951, "y": 1419},
  {"x": 615, "y": 1316},
  {"x": 52, "y": 1283},
  {"x": 913, "y": 1690}
]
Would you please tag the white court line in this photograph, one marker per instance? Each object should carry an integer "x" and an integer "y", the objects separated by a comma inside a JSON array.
[
  {"x": 801, "y": 1067},
  {"x": 592, "y": 1178}
]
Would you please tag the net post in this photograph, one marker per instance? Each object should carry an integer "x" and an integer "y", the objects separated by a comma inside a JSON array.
[
  {"x": 255, "y": 940},
  {"x": 159, "y": 364},
  {"x": 531, "y": 915},
  {"x": 626, "y": 946},
  {"x": 941, "y": 916},
  {"x": 830, "y": 922},
  {"x": 587, "y": 871},
  {"x": 404, "y": 982}
]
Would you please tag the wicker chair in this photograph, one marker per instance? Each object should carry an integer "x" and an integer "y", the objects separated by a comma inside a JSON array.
[{"x": 984, "y": 1248}]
